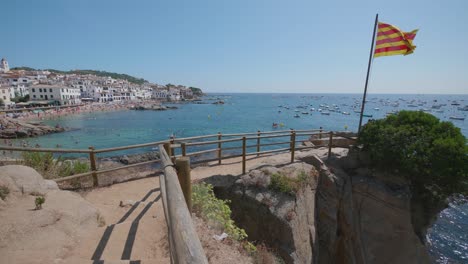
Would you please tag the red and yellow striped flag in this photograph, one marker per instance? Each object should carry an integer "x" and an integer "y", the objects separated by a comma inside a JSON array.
[{"x": 392, "y": 41}]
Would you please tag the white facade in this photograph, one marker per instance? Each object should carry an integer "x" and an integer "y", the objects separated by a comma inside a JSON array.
[
  {"x": 64, "y": 95},
  {"x": 18, "y": 90},
  {"x": 160, "y": 94},
  {"x": 5, "y": 95},
  {"x": 4, "y": 66}
]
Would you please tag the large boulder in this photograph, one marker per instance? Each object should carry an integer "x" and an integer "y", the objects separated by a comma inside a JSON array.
[
  {"x": 41, "y": 236},
  {"x": 25, "y": 180}
]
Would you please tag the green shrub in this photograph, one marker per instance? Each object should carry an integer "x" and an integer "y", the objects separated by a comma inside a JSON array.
[
  {"x": 4, "y": 191},
  {"x": 217, "y": 212},
  {"x": 39, "y": 201},
  {"x": 431, "y": 154},
  {"x": 288, "y": 185},
  {"x": 50, "y": 168}
]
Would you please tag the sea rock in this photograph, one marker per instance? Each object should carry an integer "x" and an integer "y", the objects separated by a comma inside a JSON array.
[{"x": 21, "y": 129}]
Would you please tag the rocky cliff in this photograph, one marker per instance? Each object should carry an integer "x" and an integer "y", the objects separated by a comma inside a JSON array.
[{"x": 344, "y": 213}]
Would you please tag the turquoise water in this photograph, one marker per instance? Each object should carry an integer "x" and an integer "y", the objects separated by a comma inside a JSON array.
[
  {"x": 252, "y": 112},
  {"x": 240, "y": 113}
]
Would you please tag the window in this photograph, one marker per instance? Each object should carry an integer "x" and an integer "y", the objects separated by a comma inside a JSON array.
[
  {"x": 42, "y": 96},
  {"x": 4, "y": 97},
  {"x": 3, "y": 91},
  {"x": 40, "y": 90},
  {"x": 33, "y": 90},
  {"x": 50, "y": 90},
  {"x": 62, "y": 90},
  {"x": 51, "y": 96},
  {"x": 34, "y": 96}
]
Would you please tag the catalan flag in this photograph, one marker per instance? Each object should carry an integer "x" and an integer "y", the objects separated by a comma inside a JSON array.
[{"x": 392, "y": 41}]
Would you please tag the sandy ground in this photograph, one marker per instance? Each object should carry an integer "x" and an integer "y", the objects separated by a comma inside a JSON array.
[
  {"x": 138, "y": 232},
  {"x": 148, "y": 243}
]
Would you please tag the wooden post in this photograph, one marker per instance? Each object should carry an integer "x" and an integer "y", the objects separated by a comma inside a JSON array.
[
  {"x": 184, "y": 149},
  {"x": 92, "y": 161},
  {"x": 244, "y": 146},
  {"x": 258, "y": 142},
  {"x": 167, "y": 147},
  {"x": 330, "y": 144},
  {"x": 183, "y": 173},
  {"x": 219, "y": 148},
  {"x": 320, "y": 135},
  {"x": 172, "y": 153},
  {"x": 293, "y": 145}
]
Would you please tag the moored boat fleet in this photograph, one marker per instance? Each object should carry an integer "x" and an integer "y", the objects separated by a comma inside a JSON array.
[{"x": 453, "y": 110}]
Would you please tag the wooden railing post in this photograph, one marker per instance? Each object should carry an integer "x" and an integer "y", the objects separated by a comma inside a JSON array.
[
  {"x": 219, "y": 148},
  {"x": 244, "y": 147},
  {"x": 293, "y": 145},
  {"x": 183, "y": 173},
  {"x": 92, "y": 161},
  {"x": 330, "y": 144},
  {"x": 184, "y": 149},
  {"x": 167, "y": 147},
  {"x": 258, "y": 142},
  {"x": 320, "y": 135}
]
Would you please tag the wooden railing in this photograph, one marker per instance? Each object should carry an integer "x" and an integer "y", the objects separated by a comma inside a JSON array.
[
  {"x": 239, "y": 148},
  {"x": 184, "y": 244}
]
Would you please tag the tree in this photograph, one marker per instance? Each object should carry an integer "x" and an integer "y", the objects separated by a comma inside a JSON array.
[{"x": 431, "y": 154}]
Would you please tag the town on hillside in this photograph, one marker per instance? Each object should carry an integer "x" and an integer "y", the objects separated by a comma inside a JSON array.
[{"x": 25, "y": 87}]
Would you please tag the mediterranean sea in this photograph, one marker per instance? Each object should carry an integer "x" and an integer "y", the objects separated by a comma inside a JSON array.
[{"x": 251, "y": 112}]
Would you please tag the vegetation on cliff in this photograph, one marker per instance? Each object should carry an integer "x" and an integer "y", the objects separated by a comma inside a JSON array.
[
  {"x": 196, "y": 91},
  {"x": 114, "y": 75},
  {"x": 433, "y": 155}
]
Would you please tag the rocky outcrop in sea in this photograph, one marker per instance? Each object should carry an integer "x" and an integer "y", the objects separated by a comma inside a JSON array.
[{"x": 10, "y": 128}]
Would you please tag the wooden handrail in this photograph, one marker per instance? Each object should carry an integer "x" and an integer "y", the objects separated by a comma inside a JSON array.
[
  {"x": 45, "y": 150},
  {"x": 186, "y": 244},
  {"x": 183, "y": 145},
  {"x": 130, "y": 147}
]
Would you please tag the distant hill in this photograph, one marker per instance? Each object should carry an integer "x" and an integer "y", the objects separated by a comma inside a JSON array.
[
  {"x": 196, "y": 91},
  {"x": 94, "y": 72}
]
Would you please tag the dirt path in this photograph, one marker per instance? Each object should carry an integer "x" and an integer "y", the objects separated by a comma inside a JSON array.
[{"x": 131, "y": 234}]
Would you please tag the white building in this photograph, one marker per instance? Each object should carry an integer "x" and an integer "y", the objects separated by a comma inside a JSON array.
[
  {"x": 62, "y": 94},
  {"x": 18, "y": 90},
  {"x": 5, "y": 95},
  {"x": 4, "y": 66},
  {"x": 160, "y": 94}
]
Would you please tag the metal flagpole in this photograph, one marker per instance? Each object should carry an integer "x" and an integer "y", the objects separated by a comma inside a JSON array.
[{"x": 368, "y": 70}]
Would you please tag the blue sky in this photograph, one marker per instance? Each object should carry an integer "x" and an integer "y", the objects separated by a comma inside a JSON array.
[{"x": 243, "y": 45}]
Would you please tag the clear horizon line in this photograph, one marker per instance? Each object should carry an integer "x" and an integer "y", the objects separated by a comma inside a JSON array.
[{"x": 219, "y": 92}]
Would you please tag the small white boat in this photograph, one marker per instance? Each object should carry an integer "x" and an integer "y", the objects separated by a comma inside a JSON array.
[
  {"x": 465, "y": 108},
  {"x": 457, "y": 117},
  {"x": 376, "y": 109},
  {"x": 325, "y": 113},
  {"x": 346, "y": 113},
  {"x": 296, "y": 116}
]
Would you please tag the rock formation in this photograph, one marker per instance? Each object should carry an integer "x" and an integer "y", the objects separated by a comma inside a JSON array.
[
  {"x": 10, "y": 128},
  {"x": 346, "y": 213},
  {"x": 40, "y": 236}
]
